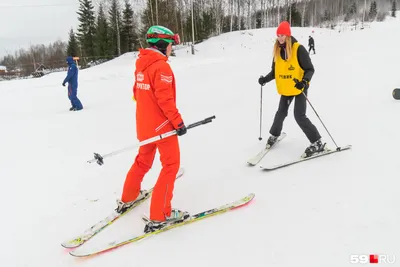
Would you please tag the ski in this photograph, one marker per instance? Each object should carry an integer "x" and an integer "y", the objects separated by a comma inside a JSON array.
[
  {"x": 257, "y": 158},
  {"x": 327, "y": 152},
  {"x": 81, "y": 252},
  {"x": 107, "y": 221}
]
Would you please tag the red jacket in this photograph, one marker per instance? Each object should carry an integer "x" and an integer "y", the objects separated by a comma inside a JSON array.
[{"x": 155, "y": 94}]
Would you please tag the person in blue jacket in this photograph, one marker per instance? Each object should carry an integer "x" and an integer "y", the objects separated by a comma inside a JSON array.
[{"x": 72, "y": 80}]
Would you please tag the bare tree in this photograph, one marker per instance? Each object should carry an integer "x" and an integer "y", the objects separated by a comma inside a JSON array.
[
  {"x": 279, "y": 13},
  {"x": 231, "y": 10},
  {"x": 303, "y": 13}
]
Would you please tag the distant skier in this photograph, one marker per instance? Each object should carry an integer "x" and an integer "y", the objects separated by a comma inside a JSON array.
[
  {"x": 72, "y": 80},
  {"x": 311, "y": 44},
  {"x": 292, "y": 70},
  {"x": 156, "y": 113}
]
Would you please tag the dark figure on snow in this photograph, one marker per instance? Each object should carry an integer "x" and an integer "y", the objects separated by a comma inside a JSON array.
[
  {"x": 311, "y": 44},
  {"x": 292, "y": 70},
  {"x": 72, "y": 80}
]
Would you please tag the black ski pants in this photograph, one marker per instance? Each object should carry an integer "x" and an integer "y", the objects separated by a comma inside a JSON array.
[{"x": 302, "y": 120}]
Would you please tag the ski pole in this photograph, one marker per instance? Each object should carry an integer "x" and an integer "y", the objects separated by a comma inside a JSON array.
[
  {"x": 320, "y": 120},
  {"x": 337, "y": 147},
  {"x": 100, "y": 158},
  {"x": 260, "y": 138}
]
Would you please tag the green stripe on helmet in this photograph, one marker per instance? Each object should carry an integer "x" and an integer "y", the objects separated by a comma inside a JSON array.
[{"x": 157, "y": 29}]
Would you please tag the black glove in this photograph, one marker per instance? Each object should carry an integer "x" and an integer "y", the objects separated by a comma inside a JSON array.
[
  {"x": 303, "y": 85},
  {"x": 262, "y": 81},
  {"x": 63, "y": 84},
  {"x": 181, "y": 130}
]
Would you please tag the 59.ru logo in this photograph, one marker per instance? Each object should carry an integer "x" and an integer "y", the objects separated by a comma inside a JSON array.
[{"x": 373, "y": 258}]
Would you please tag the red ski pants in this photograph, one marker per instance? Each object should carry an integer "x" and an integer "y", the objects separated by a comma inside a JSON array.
[{"x": 160, "y": 205}]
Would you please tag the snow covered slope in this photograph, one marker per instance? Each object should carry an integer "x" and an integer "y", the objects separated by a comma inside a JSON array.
[{"x": 316, "y": 213}]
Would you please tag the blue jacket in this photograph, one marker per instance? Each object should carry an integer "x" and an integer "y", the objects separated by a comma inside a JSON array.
[{"x": 72, "y": 75}]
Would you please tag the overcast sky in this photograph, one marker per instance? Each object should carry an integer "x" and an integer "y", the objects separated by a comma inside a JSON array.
[{"x": 25, "y": 22}]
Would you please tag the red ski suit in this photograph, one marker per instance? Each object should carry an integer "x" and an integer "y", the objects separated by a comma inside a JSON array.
[{"x": 156, "y": 113}]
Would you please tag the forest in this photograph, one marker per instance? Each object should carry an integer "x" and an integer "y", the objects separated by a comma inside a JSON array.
[{"x": 113, "y": 27}]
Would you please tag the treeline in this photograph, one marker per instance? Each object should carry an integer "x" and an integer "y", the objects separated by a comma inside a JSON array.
[
  {"x": 104, "y": 34},
  {"x": 101, "y": 35},
  {"x": 26, "y": 61},
  {"x": 119, "y": 26}
]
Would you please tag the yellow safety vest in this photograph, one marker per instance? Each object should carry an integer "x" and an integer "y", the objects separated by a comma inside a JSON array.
[{"x": 286, "y": 71}]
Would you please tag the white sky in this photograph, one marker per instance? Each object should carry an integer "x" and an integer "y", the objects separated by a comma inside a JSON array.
[{"x": 25, "y": 22}]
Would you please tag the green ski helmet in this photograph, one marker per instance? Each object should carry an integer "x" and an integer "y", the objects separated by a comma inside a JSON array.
[{"x": 157, "y": 33}]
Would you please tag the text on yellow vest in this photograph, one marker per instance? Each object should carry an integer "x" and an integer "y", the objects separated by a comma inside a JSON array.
[{"x": 286, "y": 71}]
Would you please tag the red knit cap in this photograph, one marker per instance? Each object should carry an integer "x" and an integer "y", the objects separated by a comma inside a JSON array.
[{"x": 284, "y": 28}]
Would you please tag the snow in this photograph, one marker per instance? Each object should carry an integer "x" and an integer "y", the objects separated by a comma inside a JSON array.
[{"x": 316, "y": 213}]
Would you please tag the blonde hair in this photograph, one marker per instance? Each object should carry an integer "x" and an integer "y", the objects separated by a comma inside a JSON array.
[{"x": 277, "y": 50}]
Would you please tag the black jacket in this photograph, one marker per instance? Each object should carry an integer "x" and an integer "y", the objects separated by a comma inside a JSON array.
[
  {"x": 310, "y": 41},
  {"x": 304, "y": 61}
]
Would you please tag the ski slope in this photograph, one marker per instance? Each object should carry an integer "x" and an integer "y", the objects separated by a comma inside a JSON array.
[{"x": 316, "y": 213}]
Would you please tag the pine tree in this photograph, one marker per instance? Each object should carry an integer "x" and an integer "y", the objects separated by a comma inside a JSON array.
[
  {"x": 72, "y": 47},
  {"x": 86, "y": 29},
  {"x": 353, "y": 9},
  {"x": 351, "y": 12},
  {"x": 296, "y": 16},
  {"x": 394, "y": 8},
  {"x": 373, "y": 11},
  {"x": 128, "y": 34},
  {"x": 148, "y": 17},
  {"x": 326, "y": 16},
  {"x": 207, "y": 24},
  {"x": 102, "y": 31},
  {"x": 115, "y": 28},
  {"x": 161, "y": 12}
]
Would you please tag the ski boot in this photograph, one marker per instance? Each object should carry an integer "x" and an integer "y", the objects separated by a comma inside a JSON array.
[
  {"x": 271, "y": 141},
  {"x": 177, "y": 216},
  {"x": 123, "y": 207},
  {"x": 314, "y": 148}
]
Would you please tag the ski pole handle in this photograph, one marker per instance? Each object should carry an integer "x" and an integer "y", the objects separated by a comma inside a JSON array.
[{"x": 206, "y": 120}]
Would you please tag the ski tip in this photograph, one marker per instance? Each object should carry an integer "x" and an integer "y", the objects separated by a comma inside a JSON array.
[
  {"x": 251, "y": 196},
  {"x": 67, "y": 246},
  {"x": 71, "y": 244},
  {"x": 72, "y": 253},
  {"x": 344, "y": 147},
  {"x": 247, "y": 199}
]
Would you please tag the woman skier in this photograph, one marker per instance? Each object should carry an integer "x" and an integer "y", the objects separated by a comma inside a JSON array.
[{"x": 292, "y": 70}]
